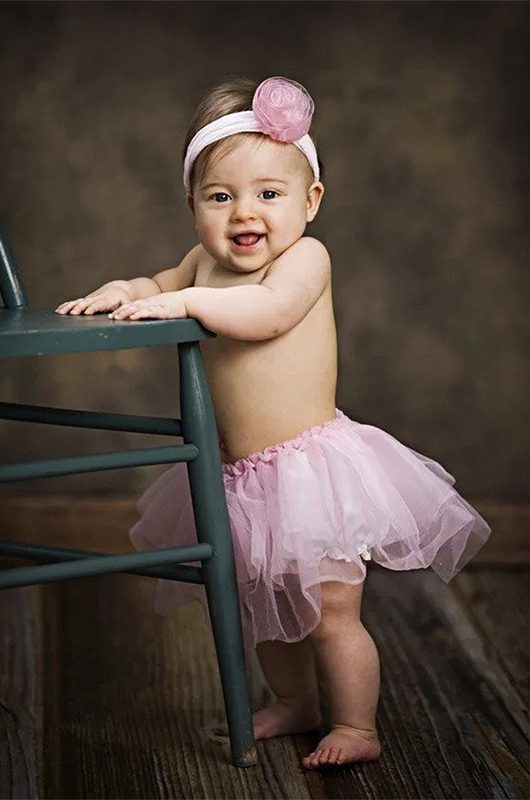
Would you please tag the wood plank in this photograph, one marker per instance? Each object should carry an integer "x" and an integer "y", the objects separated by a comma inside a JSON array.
[
  {"x": 498, "y": 602},
  {"x": 138, "y": 707},
  {"x": 445, "y": 728},
  {"x": 140, "y": 695},
  {"x": 132, "y": 698},
  {"x": 102, "y": 523},
  {"x": 20, "y": 692}
]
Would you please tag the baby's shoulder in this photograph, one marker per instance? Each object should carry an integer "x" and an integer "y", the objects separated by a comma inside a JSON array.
[
  {"x": 304, "y": 252},
  {"x": 301, "y": 274},
  {"x": 311, "y": 246}
]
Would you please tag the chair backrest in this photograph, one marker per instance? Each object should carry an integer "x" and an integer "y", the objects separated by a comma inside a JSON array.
[{"x": 11, "y": 287}]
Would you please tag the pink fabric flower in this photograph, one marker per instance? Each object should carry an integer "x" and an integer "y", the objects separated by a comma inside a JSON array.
[{"x": 284, "y": 109}]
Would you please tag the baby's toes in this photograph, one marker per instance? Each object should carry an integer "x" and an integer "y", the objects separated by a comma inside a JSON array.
[
  {"x": 314, "y": 759},
  {"x": 333, "y": 756},
  {"x": 325, "y": 756}
]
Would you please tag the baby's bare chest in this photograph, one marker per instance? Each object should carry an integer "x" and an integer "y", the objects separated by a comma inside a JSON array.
[
  {"x": 267, "y": 391},
  {"x": 295, "y": 351}
]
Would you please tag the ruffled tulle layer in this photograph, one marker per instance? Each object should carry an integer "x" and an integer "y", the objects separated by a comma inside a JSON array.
[{"x": 317, "y": 508}]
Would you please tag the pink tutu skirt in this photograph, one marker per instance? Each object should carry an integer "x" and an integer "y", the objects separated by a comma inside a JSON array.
[{"x": 312, "y": 509}]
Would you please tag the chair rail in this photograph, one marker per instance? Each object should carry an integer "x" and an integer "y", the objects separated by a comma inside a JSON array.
[
  {"x": 117, "y": 459},
  {"x": 11, "y": 286},
  {"x": 102, "y": 565},
  {"x": 97, "y": 420},
  {"x": 51, "y": 554}
]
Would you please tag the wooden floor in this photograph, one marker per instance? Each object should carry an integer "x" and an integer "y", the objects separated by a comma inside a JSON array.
[{"x": 101, "y": 698}]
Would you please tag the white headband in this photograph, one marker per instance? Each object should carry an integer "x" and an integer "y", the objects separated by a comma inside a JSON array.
[{"x": 239, "y": 122}]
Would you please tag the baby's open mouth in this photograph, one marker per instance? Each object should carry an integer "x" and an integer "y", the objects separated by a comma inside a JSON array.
[{"x": 247, "y": 238}]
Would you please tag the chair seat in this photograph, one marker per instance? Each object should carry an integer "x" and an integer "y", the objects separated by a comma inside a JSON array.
[{"x": 25, "y": 332}]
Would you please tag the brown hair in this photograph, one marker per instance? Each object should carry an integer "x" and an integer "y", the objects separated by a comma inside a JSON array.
[{"x": 231, "y": 95}]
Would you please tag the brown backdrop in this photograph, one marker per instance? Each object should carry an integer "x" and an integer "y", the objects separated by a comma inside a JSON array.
[{"x": 422, "y": 124}]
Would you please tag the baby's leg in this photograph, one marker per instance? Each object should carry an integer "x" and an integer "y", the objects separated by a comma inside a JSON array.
[
  {"x": 290, "y": 673},
  {"x": 349, "y": 662}
]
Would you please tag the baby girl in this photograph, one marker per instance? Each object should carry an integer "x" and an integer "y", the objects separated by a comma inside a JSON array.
[{"x": 312, "y": 495}]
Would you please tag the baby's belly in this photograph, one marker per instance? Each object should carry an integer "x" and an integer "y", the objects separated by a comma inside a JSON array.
[
  {"x": 235, "y": 444},
  {"x": 266, "y": 392},
  {"x": 261, "y": 402}
]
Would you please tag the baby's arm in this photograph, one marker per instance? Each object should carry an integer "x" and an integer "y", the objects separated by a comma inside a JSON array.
[
  {"x": 263, "y": 311},
  {"x": 116, "y": 293},
  {"x": 250, "y": 312}
]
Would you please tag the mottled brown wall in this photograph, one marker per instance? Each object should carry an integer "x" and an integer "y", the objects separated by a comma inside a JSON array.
[{"x": 422, "y": 123}]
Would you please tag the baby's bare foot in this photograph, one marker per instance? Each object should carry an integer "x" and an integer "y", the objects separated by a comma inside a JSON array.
[
  {"x": 343, "y": 745},
  {"x": 280, "y": 719}
]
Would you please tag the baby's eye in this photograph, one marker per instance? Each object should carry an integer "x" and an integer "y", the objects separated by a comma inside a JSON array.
[
  {"x": 217, "y": 195},
  {"x": 269, "y": 192}
]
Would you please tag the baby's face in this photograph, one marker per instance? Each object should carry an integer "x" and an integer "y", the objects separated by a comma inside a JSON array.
[{"x": 258, "y": 190}]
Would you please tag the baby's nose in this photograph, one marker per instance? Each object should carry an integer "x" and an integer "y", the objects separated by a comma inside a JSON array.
[{"x": 244, "y": 211}]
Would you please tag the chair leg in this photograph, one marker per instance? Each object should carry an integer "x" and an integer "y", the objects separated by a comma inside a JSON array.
[{"x": 213, "y": 526}]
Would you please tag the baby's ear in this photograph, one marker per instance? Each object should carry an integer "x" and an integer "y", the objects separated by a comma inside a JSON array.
[
  {"x": 314, "y": 198},
  {"x": 189, "y": 201}
]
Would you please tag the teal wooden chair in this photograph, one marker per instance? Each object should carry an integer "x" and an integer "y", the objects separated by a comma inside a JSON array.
[{"x": 28, "y": 332}]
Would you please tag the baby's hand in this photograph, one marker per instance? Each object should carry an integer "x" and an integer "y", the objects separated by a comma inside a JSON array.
[
  {"x": 167, "y": 305},
  {"x": 106, "y": 298}
]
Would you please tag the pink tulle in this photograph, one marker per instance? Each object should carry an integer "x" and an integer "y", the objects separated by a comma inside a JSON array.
[
  {"x": 312, "y": 509},
  {"x": 284, "y": 108}
]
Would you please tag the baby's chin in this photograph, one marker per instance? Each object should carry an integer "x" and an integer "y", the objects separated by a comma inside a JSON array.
[
  {"x": 245, "y": 268},
  {"x": 242, "y": 263},
  {"x": 248, "y": 262}
]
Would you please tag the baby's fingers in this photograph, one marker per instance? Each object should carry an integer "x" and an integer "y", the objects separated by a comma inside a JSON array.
[
  {"x": 69, "y": 306},
  {"x": 102, "y": 304},
  {"x": 123, "y": 311},
  {"x": 74, "y": 306},
  {"x": 132, "y": 311},
  {"x": 87, "y": 305}
]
